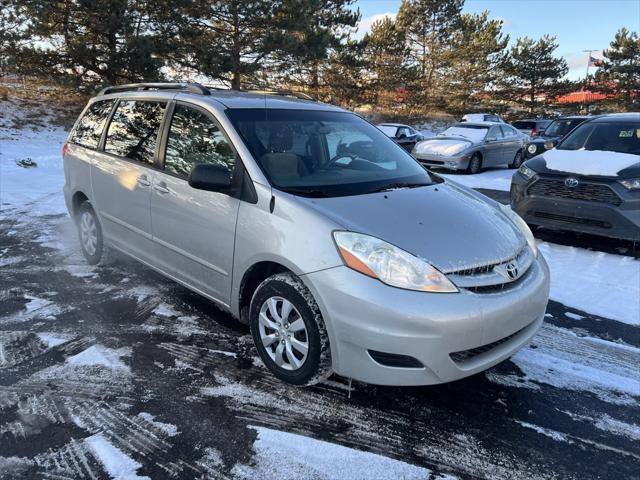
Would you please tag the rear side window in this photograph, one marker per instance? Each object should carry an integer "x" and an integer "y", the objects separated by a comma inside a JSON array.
[
  {"x": 524, "y": 125},
  {"x": 508, "y": 131},
  {"x": 90, "y": 126},
  {"x": 134, "y": 129},
  {"x": 195, "y": 138}
]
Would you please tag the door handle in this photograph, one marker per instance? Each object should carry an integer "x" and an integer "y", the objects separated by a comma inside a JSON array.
[
  {"x": 161, "y": 187},
  {"x": 143, "y": 181}
]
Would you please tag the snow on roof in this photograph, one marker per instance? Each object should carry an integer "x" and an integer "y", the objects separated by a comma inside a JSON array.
[{"x": 589, "y": 162}]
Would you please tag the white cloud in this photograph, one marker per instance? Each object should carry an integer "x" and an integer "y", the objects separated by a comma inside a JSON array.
[{"x": 365, "y": 24}]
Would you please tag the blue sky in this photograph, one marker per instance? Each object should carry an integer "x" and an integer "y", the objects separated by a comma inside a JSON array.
[{"x": 578, "y": 24}]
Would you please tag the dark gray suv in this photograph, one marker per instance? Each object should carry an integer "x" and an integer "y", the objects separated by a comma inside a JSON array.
[{"x": 589, "y": 183}]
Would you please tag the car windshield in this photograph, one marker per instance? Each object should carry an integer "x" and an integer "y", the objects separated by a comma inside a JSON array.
[
  {"x": 470, "y": 132},
  {"x": 388, "y": 130},
  {"x": 558, "y": 128},
  {"x": 322, "y": 153},
  {"x": 621, "y": 137}
]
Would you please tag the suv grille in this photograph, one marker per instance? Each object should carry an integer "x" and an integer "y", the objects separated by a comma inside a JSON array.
[
  {"x": 591, "y": 192},
  {"x": 576, "y": 220}
]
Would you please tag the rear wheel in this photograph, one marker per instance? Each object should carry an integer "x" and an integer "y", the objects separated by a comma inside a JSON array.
[
  {"x": 475, "y": 164},
  {"x": 289, "y": 331},
  {"x": 90, "y": 233},
  {"x": 517, "y": 160}
]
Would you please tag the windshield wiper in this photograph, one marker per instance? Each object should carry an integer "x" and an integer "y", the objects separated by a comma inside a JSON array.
[
  {"x": 308, "y": 192},
  {"x": 394, "y": 186}
]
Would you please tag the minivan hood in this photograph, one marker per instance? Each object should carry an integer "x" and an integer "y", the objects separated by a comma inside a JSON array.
[{"x": 446, "y": 224}]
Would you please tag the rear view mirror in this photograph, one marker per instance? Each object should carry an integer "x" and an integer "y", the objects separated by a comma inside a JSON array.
[{"x": 212, "y": 178}]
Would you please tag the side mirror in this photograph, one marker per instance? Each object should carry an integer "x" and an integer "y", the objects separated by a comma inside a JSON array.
[{"x": 212, "y": 178}]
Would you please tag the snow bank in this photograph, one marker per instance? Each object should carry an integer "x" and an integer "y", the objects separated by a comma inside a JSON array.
[
  {"x": 596, "y": 282},
  {"x": 118, "y": 465},
  {"x": 497, "y": 179},
  {"x": 308, "y": 458},
  {"x": 589, "y": 162}
]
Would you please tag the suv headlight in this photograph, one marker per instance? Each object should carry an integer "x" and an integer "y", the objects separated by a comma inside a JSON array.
[
  {"x": 526, "y": 172},
  {"x": 389, "y": 264},
  {"x": 631, "y": 184},
  {"x": 522, "y": 226}
]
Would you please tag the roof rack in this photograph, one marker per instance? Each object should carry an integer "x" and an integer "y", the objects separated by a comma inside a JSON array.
[
  {"x": 284, "y": 93},
  {"x": 190, "y": 87}
]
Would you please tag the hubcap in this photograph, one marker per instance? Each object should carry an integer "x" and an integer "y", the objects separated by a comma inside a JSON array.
[
  {"x": 283, "y": 333},
  {"x": 88, "y": 233}
]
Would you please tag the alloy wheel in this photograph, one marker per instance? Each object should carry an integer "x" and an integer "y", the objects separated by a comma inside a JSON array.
[{"x": 88, "y": 233}]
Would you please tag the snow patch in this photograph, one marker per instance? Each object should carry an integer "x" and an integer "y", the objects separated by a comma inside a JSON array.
[
  {"x": 601, "y": 283},
  {"x": 575, "y": 316},
  {"x": 589, "y": 162},
  {"x": 559, "y": 437},
  {"x": 53, "y": 339},
  {"x": 165, "y": 310},
  {"x": 497, "y": 179},
  {"x": 309, "y": 458},
  {"x": 100, "y": 355},
  {"x": 617, "y": 427},
  {"x": 169, "y": 429},
  {"x": 117, "y": 464}
]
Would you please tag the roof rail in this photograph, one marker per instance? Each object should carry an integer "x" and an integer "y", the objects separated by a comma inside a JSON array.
[
  {"x": 190, "y": 87},
  {"x": 284, "y": 93}
]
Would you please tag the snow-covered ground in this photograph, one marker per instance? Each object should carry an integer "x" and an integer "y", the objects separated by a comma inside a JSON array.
[
  {"x": 494, "y": 179},
  {"x": 580, "y": 362}
]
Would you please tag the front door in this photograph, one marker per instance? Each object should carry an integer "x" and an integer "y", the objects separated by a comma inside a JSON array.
[
  {"x": 122, "y": 176},
  {"x": 511, "y": 144},
  {"x": 194, "y": 230},
  {"x": 493, "y": 147}
]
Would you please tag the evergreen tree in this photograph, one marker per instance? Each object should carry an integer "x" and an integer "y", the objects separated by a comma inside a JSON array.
[
  {"x": 87, "y": 41},
  {"x": 385, "y": 56},
  {"x": 619, "y": 73},
  {"x": 429, "y": 26},
  {"x": 532, "y": 71},
  {"x": 480, "y": 53}
]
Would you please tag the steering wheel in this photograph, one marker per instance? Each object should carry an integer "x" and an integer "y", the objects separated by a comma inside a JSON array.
[{"x": 338, "y": 156}]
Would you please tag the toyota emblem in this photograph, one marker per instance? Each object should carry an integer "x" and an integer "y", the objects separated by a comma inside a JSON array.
[
  {"x": 571, "y": 182},
  {"x": 512, "y": 270}
]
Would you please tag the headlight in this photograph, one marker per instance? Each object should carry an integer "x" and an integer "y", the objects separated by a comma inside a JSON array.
[
  {"x": 532, "y": 149},
  {"x": 389, "y": 264},
  {"x": 522, "y": 226},
  {"x": 549, "y": 145},
  {"x": 526, "y": 172},
  {"x": 631, "y": 184}
]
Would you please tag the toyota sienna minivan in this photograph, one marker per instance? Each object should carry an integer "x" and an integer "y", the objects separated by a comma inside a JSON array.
[{"x": 340, "y": 251}]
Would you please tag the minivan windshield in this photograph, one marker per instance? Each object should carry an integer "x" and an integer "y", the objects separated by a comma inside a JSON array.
[
  {"x": 324, "y": 153},
  {"x": 621, "y": 137}
]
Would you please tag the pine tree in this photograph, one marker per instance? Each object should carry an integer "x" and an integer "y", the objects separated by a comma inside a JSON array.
[
  {"x": 619, "y": 74},
  {"x": 87, "y": 42},
  {"x": 532, "y": 71}
]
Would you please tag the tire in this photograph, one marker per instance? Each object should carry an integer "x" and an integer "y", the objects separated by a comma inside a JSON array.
[
  {"x": 90, "y": 235},
  {"x": 475, "y": 164},
  {"x": 517, "y": 160},
  {"x": 304, "y": 325}
]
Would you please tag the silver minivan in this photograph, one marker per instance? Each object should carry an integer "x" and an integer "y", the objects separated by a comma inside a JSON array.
[{"x": 340, "y": 251}]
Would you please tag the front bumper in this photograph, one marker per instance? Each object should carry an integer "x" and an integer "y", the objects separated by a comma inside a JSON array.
[
  {"x": 460, "y": 162},
  {"x": 615, "y": 221},
  {"x": 364, "y": 315}
]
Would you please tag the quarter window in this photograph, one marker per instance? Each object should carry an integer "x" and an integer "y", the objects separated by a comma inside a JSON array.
[
  {"x": 90, "y": 126},
  {"x": 195, "y": 138},
  {"x": 495, "y": 132},
  {"x": 133, "y": 130}
]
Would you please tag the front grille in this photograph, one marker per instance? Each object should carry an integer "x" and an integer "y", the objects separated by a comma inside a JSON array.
[
  {"x": 433, "y": 162},
  {"x": 591, "y": 192},
  {"x": 466, "y": 355},
  {"x": 575, "y": 220}
]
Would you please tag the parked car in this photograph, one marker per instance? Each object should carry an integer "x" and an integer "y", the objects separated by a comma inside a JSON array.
[
  {"x": 589, "y": 183},
  {"x": 471, "y": 146},
  {"x": 533, "y": 127},
  {"x": 403, "y": 135},
  {"x": 482, "y": 117},
  {"x": 309, "y": 224},
  {"x": 551, "y": 135}
]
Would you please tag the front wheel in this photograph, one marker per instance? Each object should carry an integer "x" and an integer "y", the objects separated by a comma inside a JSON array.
[
  {"x": 475, "y": 164},
  {"x": 517, "y": 160},
  {"x": 289, "y": 332}
]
